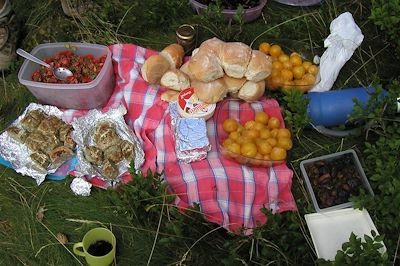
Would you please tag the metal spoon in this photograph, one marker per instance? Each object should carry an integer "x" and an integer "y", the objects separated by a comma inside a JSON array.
[{"x": 59, "y": 72}]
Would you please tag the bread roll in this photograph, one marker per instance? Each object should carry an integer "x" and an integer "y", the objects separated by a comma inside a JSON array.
[
  {"x": 169, "y": 96},
  {"x": 185, "y": 69},
  {"x": 210, "y": 92},
  {"x": 213, "y": 45},
  {"x": 154, "y": 68},
  {"x": 175, "y": 79},
  {"x": 260, "y": 66},
  {"x": 233, "y": 85},
  {"x": 174, "y": 54},
  {"x": 252, "y": 91},
  {"x": 205, "y": 66},
  {"x": 235, "y": 57}
]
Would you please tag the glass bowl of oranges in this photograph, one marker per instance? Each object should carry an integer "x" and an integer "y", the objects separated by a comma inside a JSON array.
[
  {"x": 252, "y": 133},
  {"x": 293, "y": 65}
]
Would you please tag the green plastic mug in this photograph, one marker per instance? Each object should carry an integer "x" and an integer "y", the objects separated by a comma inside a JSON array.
[{"x": 94, "y": 236}]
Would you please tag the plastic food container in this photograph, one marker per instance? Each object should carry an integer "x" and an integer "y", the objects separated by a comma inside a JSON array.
[
  {"x": 307, "y": 52},
  {"x": 332, "y": 179},
  {"x": 329, "y": 230},
  {"x": 250, "y": 14},
  {"x": 242, "y": 112},
  {"x": 94, "y": 94}
]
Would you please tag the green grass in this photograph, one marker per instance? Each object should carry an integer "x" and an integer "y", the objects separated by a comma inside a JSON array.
[{"x": 150, "y": 230}]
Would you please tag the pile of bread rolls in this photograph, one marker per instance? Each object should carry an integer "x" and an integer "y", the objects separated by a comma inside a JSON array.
[{"x": 216, "y": 69}]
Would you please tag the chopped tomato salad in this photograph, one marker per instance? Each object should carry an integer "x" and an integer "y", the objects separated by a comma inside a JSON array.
[{"x": 84, "y": 68}]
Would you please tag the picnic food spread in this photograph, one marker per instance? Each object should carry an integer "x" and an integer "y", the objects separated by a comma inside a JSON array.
[{"x": 169, "y": 121}]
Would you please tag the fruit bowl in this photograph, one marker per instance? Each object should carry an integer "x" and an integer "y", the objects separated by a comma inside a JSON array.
[
  {"x": 252, "y": 134},
  {"x": 294, "y": 65}
]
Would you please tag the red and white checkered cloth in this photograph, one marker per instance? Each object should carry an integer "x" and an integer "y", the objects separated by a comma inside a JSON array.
[{"x": 229, "y": 194}]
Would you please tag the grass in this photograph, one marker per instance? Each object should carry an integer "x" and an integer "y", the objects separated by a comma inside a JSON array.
[{"x": 149, "y": 229}]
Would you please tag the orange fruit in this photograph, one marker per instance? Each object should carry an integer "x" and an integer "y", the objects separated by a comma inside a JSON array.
[
  {"x": 265, "y": 133},
  {"x": 259, "y": 126},
  {"x": 230, "y": 125},
  {"x": 309, "y": 78},
  {"x": 278, "y": 154},
  {"x": 234, "y": 147},
  {"x": 306, "y": 64},
  {"x": 277, "y": 65},
  {"x": 227, "y": 142},
  {"x": 286, "y": 74},
  {"x": 249, "y": 124},
  {"x": 262, "y": 118},
  {"x": 274, "y": 123},
  {"x": 313, "y": 69},
  {"x": 285, "y": 143},
  {"x": 284, "y": 133},
  {"x": 296, "y": 60},
  {"x": 248, "y": 149},
  {"x": 251, "y": 133},
  {"x": 272, "y": 141},
  {"x": 234, "y": 135},
  {"x": 274, "y": 132},
  {"x": 283, "y": 58},
  {"x": 298, "y": 72},
  {"x": 264, "y": 47},
  {"x": 275, "y": 50},
  {"x": 264, "y": 147},
  {"x": 287, "y": 65}
]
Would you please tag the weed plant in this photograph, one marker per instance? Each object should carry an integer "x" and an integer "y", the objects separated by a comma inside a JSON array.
[{"x": 149, "y": 228}]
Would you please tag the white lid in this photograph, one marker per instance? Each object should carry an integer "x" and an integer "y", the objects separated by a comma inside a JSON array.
[
  {"x": 329, "y": 230},
  {"x": 190, "y": 106}
]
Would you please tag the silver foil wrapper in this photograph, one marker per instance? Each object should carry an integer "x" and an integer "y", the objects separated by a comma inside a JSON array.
[
  {"x": 83, "y": 135},
  {"x": 191, "y": 141},
  {"x": 80, "y": 187},
  {"x": 19, "y": 155}
]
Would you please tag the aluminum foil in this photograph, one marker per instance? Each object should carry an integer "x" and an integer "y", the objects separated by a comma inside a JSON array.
[
  {"x": 19, "y": 155},
  {"x": 191, "y": 141},
  {"x": 83, "y": 135},
  {"x": 80, "y": 187}
]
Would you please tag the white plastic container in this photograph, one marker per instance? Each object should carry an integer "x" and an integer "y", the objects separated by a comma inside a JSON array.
[
  {"x": 327, "y": 158},
  {"x": 94, "y": 94},
  {"x": 329, "y": 230}
]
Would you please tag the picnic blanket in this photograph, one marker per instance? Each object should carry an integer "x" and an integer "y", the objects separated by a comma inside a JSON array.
[{"x": 229, "y": 194}]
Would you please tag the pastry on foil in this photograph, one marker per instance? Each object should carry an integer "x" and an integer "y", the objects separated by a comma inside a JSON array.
[
  {"x": 41, "y": 159},
  {"x": 49, "y": 125},
  {"x": 114, "y": 154},
  {"x": 108, "y": 149},
  {"x": 18, "y": 134},
  {"x": 32, "y": 120},
  {"x": 60, "y": 154},
  {"x": 93, "y": 154},
  {"x": 106, "y": 135},
  {"x": 128, "y": 150},
  {"x": 48, "y": 137},
  {"x": 35, "y": 141},
  {"x": 109, "y": 169}
]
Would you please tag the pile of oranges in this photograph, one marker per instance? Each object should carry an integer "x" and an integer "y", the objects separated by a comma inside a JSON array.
[
  {"x": 289, "y": 71},
  {"x": 261, "y": 139}
]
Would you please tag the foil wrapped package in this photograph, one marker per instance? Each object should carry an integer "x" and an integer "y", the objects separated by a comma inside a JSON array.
[
  {"x": 15, "y": 139},
  {"x": 99, "y": 137},
  {"x": 80, "y": 187},
  {"x": 191, "y": 141}
]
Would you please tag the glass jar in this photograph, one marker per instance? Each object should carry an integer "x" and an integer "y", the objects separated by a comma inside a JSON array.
[{"x": 186, "y": 36}]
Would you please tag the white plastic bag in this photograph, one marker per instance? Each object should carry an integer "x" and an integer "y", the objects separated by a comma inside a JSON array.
[{"x": 345, "y": 37}]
